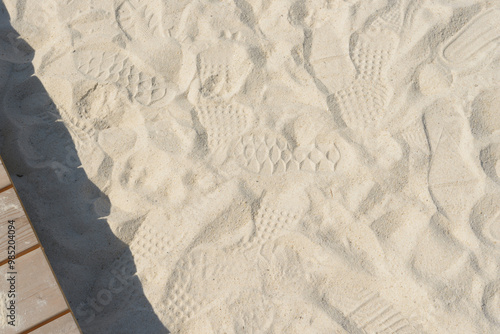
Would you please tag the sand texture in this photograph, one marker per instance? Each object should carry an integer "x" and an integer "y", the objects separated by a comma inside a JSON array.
[{"x": 254, "y": 166}]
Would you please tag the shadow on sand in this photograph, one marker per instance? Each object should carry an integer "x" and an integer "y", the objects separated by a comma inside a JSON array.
[{"x": 95, "y": 269}]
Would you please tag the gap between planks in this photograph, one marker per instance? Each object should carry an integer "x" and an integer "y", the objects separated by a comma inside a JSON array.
[
  {"x": 24, "y": 252},
  {"x": 10, "y": 186},
  {"x": 43, "y": 323}
]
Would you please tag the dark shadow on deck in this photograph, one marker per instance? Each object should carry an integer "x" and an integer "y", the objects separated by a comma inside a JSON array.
[{"x": 61, "y": 201}]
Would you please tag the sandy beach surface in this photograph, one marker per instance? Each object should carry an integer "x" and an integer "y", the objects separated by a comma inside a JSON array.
[{"x": 253, "y": 166}]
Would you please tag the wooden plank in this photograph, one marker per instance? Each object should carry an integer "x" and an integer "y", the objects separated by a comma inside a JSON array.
[
  {"x": 37, "y": 294},
  {"x": 11, "y": 209},
  {"x": 4, "y": 177},
  {"x": 40, "y": 303},
  {"x": 63, "y": 325}
]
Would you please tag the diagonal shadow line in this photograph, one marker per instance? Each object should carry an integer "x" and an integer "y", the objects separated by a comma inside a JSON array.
[{"x": 60, "y": 198}]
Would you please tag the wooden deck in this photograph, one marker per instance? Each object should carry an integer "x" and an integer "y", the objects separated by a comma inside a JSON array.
[{"x": 28, "y": 285}]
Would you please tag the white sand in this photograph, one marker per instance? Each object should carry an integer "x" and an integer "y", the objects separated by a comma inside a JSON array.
[{"x": 251, "y": 166}]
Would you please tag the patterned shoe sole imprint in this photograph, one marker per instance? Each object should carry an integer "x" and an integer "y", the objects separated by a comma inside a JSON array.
[
  {"x": 152, "y": 245},
  {"x": 182, "y": 304},
  {"x": 137, "y": 20},
  {"x": 481, "y": 34},
  {"x": 371, "y": 54},
  {"x": 223, "y": 70},
  {"x": 415, "y": 136},
  {"x": 393, "y": 17},
  {"x": 372, "y": 314},
  {"x": 317, "y": 158},
  {"x": 270, "y": 224},
  {"x": 264, "y": 153},
  {"x": 81, "y": 129},
  {"x": 268, "y": 154},
  {"x": 115, "y": 67},
  {"x": 123, "y": 268},
  {"x": 181, "y": 307},
  {"x": 363, "y": 104},
  {"x": 223, "y": 121}
]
